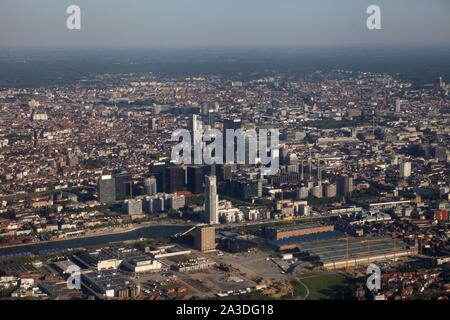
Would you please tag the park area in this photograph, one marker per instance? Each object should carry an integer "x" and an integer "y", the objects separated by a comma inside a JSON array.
[{"x": 322, "y": 286}]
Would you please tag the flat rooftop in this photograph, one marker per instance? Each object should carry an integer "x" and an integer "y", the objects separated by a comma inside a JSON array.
[
  {"x": 308, "y": 238},
  {"x": 299, "y": 226},
  {"x": 330, "y": 250},
  {"x": 108, "y": 279}
]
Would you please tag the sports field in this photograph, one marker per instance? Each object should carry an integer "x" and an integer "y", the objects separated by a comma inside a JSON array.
[{"x": 322, "y": 285}]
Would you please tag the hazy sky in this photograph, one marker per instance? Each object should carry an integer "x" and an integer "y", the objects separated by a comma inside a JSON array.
[{"x": 165, "y": 23}]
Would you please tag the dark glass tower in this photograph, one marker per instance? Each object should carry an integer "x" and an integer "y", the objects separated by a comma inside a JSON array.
[
  {"x": 195, "y": 179},
  {"x": 124, "y": 186}
]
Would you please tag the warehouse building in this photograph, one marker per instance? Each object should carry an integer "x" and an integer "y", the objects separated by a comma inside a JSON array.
[
  {"x": 349, "y": 252},
  {"x": 304, "y": 229},
  {"x": 109, "y": 284},
  {"x": 113, "y": 259}
]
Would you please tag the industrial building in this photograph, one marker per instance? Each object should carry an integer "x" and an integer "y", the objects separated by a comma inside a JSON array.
[
  {"x": 349, "y": 252},
  {"x": 101, "y": 260},
  {"x": 194, "y": 265},
  {"x": 113, "y": 259},
  {"x": 381, "y": 204},
  {"x": 293, "y": 243},
  {"x": 335, "y": 250},
  {"x": 279, "y": 233},
  {"x": 237, "y": 244},
  {"x": 132, "y": 207},
  {"x": 109, "y": 284},
  {"x": 141, "y": 263}
]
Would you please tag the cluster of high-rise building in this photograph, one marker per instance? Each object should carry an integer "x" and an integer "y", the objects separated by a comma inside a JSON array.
[{"x": 362, "y": 151}]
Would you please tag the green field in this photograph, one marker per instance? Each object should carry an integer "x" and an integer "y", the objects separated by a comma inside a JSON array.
[
  {"x": 312, "y": 286},
  {"x": 322, "y": 286}
]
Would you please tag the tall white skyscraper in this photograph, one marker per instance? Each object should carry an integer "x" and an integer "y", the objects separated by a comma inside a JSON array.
[
  {"x": 211, "y": 200},
  {"x": 193, "y": 124},
  {"x": 398, "y": 106},
  {"x": 441, "y": 83},
  {"x": 196, "y": 130},
  {"x": 405, "y": 169}
]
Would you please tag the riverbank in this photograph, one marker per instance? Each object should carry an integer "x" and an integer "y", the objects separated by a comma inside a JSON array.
[{"x": 101, "y": 233}]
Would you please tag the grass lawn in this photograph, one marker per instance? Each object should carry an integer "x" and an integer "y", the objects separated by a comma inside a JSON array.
[
  {"x": 311, "y": 286},
  {"x": 322, "y": 286}
]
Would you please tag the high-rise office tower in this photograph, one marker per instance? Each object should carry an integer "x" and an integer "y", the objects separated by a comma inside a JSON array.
[
  {"x": 107, "y": 189},
  {"x": 174, "y": 178},
  {"x": 319, "y": 173},
  {"x": 292, "y": 159},
  {"x": 250, "y": 148},
  {"x": 133, "y": 207},
  {"x": 317, "y": 191},
  {"x": 156, "y": 109},
  {"x": 230, "y": 124},
  {"x": 440, "y": 153},
  {"x": 211, "y": 118},
  {"x": 330, "y": 191},
  {"x": 440, "y": 83},
  {"x": 195, "y": 179},
  {"x": 205, "y": 108},
  {"x": 205, "y": 238},
  {"x": 124, "y": 186},
  {"x": 302, "y": 193},
  {"x": 193, "y": 123},
  {"x": 211, "y": 200},
  {"x": 225, "y": 171},
  {"x": 344, "y": 185},
  {"x": 398, "y": 106},
  {"x": 210, "y": 170},
  {"x": 302, "y": 172},
  {"x": 195, "y": 127},
  {"x": 284, "y": 151},
  {"x": 405, "y": 169},
  {"x": 157, "y": 171},
  {"x": 244, "y": 189},
  {"x": 233, "y": 124},
  {"x": 152, "y": 123},
  {"x": 150, "y": 186},
  {"x": 310, "y": 166}
]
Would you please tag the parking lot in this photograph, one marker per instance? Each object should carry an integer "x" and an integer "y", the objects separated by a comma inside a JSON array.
[{"x": 252, "y": 264}]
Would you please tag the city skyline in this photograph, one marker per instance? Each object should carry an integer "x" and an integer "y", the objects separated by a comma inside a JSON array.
[{"x": 224, "y": 150}]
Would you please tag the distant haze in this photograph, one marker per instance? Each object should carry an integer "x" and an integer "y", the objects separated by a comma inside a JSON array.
[{"x": 193, "y": 23}]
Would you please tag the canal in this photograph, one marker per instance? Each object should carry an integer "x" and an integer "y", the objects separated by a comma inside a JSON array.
[{"x": 58, "y": 246}]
